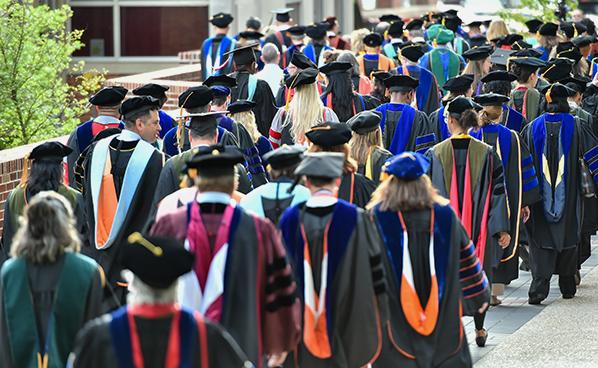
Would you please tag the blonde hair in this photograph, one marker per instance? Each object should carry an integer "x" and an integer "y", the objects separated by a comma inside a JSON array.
[
  {"x": 47, "y": 229},
  {"x": 490, "y": 114},
  {"x": 395, "y": 194},
  {"x": 497, "y": 29},
  {"x": 305, "y": 111},
  {"x": 360, "y": 145},
  {"x": 357, "y": 36},
  {"x": 549, "y": 42},
  {"x": 350, "y": 166},
  {"x": 247, "y": 119}
]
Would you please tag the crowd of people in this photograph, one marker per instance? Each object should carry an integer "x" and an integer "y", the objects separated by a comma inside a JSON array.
[{"x": 318, "y": 200}]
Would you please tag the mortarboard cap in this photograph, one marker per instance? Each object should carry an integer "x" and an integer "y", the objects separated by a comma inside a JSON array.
[
  {"x": 284, "y": 156},
  {"x": 335, "y": 67},
  {"x": 571, "y": 29},
  {"x": 155, "y": 90},
  {"x": 240, "y": 106},
  {"x": 365, "y": 122},
  {"x": 459, "y": 83},
  {"x": 195, "y": 97},
  {"x": 556, "y": 70},
  {"x": 220, "y": 91},
  {"x": 316, "y": 31},
  {"x": 568, "y": 50},
  {"x": 533, "y": 25},
  {"x": 491, "y": 99},
  {"x": 412, "y": 51},
  {"x": 389, "y": 18},
  {"x": 478, "y": 53},
  {"x": 583, "y": 41},
  {"x": 520, "y": 45},
  {"x": 373, "y": 40},
  {"x": 407, "y": 165},
  {"x": 557, "y": 91},
  {"x": 157, "y": 261},
  {"x": 577, "y": 84},
  {"x": 509, "y": 39},
  {"x": 253, "y": 23},
  {"x": 283, "y": 14},
  {"x": 452, "y": 22},
  {"x": 548, "y": 29},
  {"x": 451, "y": 12},
  {"x": 109, "y": 96},
  {"x": 305, "y": 76},
  {"x": 138, "y": 104},
  {"x": 251, "y": 35},
  {"x": 500, "y": 56},
  {"x": 221, "y": 20},
  {"x": 244, "y": 55},
  {"x": 414, "y": 25},
  {"x": 203, "y": 124},
  {"x": 528, "y": 62},
  {"x": 499, "y": 75},
  {"x": 329, "y": 134},
  {"x": 220, "y": 80},
  {"x": 321, "y": 164},
  {"x": 50, "y": 151},
  {"x": 381, "y": 75},
  {"x": 296, "y": 31},
  {"x": 460, "y": 104},
  {"x": 475, "y": 24},
  {"x": 401, "y": 83},
  {"x": 396, "y": 29},
  {"x": 216, "y": 160},
  {"x": 301, "y": 61}
]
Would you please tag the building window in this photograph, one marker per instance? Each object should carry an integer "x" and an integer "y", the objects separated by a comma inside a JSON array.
[{"x": 98, "y": 30}]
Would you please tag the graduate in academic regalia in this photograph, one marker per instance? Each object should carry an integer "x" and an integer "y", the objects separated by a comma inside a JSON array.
[
  {"x": 525, "y": 98},
  {"x": 379, "y": 90},
  {"x": 152, "y": 330},
  {"x": 547, "y": 39},
  {"x": 339, "y": 94},
  {"x": 475, "y": 37},
  {"x": 404, "y": 128},
  {"x": 533, "y": 25},
  {"x": 333, "y": 137},
  {"x": 457, "y": 86},
  {"x": 335, "y": 39},
  {"x": 427, "y": 93},
  {"x": 336, "y": 254},
  {"x": 391, "y": 48},
  {"x": 557, "y": 141},
  {"x": 315, "y": 48},
  {"x": 159, "y": 92},
  {"x": 297, "y": 36},
  {"x": 213, "y": 49},
  {"x": 470, "y": 174},
  {"x": 443, "y": 62},
  {"x": 196, "y": 100},
  {"x": 240, "y": 276},
  {"x": 577, "y": 86},
  {"x": 43, "y": 171},
  {"x": 282, "y": 23},
  {"x": 121, "y": 173},
  {"x": 499, "y": 82},
  {"x": 47, "y": 290},
  {"x": 82, "y": 160},
  {"x": 366, "y": 144},
  {"x": 271, "y": 199},
  {"x": 373, "y": 60},
  {"x": 249, "y": 87},
  {"x": 303, "y": 112},
  {"x": 478, "y": 64},
  {"x": 521, "y": 182},
  {"x": 202, "y": 129},
  {"x": 298, "y": 63},
  {"x": 107, "y": 102},
  {"x": 567, "y": 50},
  {"x": 434, "y": 274}
]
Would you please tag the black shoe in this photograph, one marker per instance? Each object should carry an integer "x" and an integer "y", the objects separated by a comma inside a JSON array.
[
  {"x": 535, "y": 300},
  {"x": 480, "y": 337},
  {"x": 568, "y": 296}
]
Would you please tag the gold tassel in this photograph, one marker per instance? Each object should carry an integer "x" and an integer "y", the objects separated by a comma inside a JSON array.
[
  {"x": 25, "y": 173},
  {"x": 288, "y": 99},
  {"x": 547, "y": 95}
]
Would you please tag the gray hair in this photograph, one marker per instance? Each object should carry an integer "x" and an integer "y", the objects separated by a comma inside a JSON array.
[
  {"x": 270, "y": 53},
  {"x": 348, "y": 57},
  {"x": 47, "y": 229},
  {"x": 142, "y": 293}
]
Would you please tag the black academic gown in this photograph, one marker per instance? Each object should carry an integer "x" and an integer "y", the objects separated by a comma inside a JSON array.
[
  {"x": 420, "y": 138},
  {"x": 265, "y": 108},
  {"x": 487, "y": 191},
  {"x": 136, "y": 216},
  {"x": 359, "y": 103},
  {"x": 95, "y": 344},
  {"x": 521, "y": 187},
  {"x": 356, "y": 189},
  {"x": 355, "y": 280},
  {"x": 275, "y": 39},
  {"x": 376, "y": 160},
  {"x": 462, "y": 287}
]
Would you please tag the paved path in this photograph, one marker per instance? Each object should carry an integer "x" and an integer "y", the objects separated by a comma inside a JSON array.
[{"x": 511, "y": 338}]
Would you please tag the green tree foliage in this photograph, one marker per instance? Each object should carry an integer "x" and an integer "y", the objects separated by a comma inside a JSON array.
[
  {"x": 541, "y": 9},
  {"x": 36, "y": 101}
]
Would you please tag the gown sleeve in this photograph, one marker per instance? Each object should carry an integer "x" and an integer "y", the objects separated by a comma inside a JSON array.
[
  {"x": 79, "y": 212},
  {"x": 95, "y": 295},
  {"x": 266, "y": 107},
  {"x": 93, "y": 346},
  {"x": 72, "y": 158},
  {"x": 498, "y": 217},
  {"x": 224, "y": 350},
  {"x": 530, "y": 187},
  {"x": 7, "y": 233},
  {"x": 5, "y": 351}
]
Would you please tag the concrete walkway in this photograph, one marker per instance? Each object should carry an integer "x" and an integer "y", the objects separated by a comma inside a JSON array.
[{"x": 559, "y": 333}]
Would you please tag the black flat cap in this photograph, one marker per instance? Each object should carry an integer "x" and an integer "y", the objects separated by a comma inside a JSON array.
[
  {"x": 389, "y": 18},
  {"x": 529, "y": 62},
  {"x": 203, "y": 124},
  {"x": 220, "y": 80},
  {"x": 396, "y": 29},
  {"x": 109, "y": 96},
  {"x": 548, "y": 29},
  {"x": 557, "y": 91},
  {"x": 478, "y": 53},
  {"x": 216, "y": 160},
  {"x": 578, "y": 84},
  {"x": 499, "y": 75},
  {"x": 329, "y": 134},
  {"x": 500, "y": 56},
  {"x": 221, "y": 20},
  {"x": 253, "y": 23},
  {"x": 460, "y": 104},
  {"x": 283, "y": 14},
  {"x": 452, "y": 22},
  {"x": 527, "y": 53},
  {"x": 244, "y": 55},
  {"x": 412, "y": 51},
  {"x": 509, "y": 39},
  {"x": 459, "y": 83},
  {"x": 335, "y": 67},
  {"x": 571, "y": 29},
  {"x": 373, "y": 40},
  {"x": 284, "y": 156},
  {"x": 321, "y": 164},
  {"x": 155, "y": 90},
  {"x": 240, "y": 106},
  {"x": 520, "y": 45},
  {"x": 305, "y": 76},
  {"x": 401, "y": 83},
  {"x": 296, "y": 30},
  {"x": 139, "y": 104},
  {"x": 583, "y": 41},
  {"x": 491, "y": 99},
  {"x": 195, "y": 97},
  {"x": 381, "y": 75},
  {"x": 475, "y": 24},
  {"x": 251, "y": 35},
  {"x": 414, "y": 25},
  {"x": 533, "y": 25},
  {"x": 568, "y": 50},
  {"x": 301, "y": 61},
  {"x": 157, "y": 261},
  {"x": 365, "y": 122},
  {"x": 316, "y": 31},
  {"x": 556, "y": 70},
  {"x": 50, "y": 151}
]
